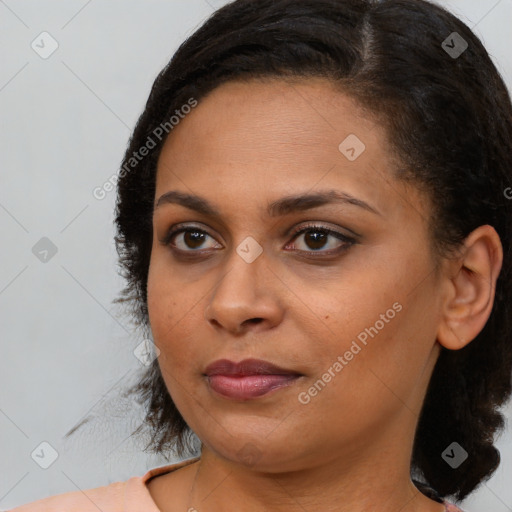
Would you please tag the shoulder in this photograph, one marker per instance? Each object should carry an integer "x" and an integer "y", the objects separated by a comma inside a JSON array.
[
  {"x": 123, "y": 496},
  {"x": 116, "y": 497},
  {"x": 108, "y": 498}
]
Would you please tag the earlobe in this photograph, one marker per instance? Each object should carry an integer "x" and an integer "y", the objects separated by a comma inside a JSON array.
[{"x": 472, "y": 286}]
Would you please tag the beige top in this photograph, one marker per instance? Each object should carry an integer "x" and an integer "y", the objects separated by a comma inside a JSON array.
[{"x": 129, "y": 496}]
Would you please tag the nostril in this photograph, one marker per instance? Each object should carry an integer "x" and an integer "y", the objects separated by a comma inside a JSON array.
[{"x": 254, "y": 320}]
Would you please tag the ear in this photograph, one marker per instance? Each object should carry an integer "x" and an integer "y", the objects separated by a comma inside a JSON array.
[{"x": 471, "y": 288}]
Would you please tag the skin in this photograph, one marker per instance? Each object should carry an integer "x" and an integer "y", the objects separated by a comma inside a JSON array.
[{"x": 348, "y": 449}]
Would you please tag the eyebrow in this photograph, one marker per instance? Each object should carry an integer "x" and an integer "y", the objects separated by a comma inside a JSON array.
[{"x": 283, "y": 206}]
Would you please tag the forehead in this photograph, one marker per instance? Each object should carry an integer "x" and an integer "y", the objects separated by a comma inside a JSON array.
[{"x": 273, "y": 138}]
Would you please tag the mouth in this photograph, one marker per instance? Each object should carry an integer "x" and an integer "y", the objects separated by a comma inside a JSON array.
[{"x": 248, "y": 379}]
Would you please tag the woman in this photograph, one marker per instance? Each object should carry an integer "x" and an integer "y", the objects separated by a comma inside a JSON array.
[{"x": 314, "y": 223}]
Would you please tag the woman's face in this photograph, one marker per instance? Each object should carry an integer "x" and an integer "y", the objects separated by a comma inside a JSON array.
[{"x": 353, "y": 314}]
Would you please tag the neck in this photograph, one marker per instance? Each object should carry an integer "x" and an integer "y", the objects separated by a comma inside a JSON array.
[{"x": 338, "y": 485}]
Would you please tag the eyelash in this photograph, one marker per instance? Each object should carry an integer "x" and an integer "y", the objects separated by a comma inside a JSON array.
[{"x": 348, "y": 241}]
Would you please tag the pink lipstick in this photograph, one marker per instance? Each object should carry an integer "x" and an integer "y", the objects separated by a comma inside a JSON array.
[{"x": 250, "y": 378}]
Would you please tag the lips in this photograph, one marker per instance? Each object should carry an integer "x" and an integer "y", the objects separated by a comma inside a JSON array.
[
  {"x": 248, "y": 379},
  {"x": 246, "y": 367}
]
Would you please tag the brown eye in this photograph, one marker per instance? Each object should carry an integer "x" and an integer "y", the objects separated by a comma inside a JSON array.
[
  {"x": 316, "y": 238},
  {"x": 187, "y": 239},
  {"x": 193, "y": 239}
]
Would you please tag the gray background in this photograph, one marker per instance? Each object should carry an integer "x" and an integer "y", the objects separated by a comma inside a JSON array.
[{"x": 66, "y": 349}]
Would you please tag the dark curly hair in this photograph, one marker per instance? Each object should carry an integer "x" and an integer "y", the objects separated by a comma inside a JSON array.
[{"x": 449, "y": 122}]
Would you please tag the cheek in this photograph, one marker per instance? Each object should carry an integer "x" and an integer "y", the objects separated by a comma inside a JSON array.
[
  {"x": 175, "y": 316},
  {"x": 342, "y": 311},
  {"x": 374, "y": 323},
  {"x": 164, "y": 314},
  {"x": 160, "y": 305},
  {"x": 163, "y": 308}
]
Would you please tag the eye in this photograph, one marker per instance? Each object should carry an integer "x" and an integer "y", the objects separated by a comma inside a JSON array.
[
  {"x": 316, "y": 238},
  {"x": 185, "y": 239}
]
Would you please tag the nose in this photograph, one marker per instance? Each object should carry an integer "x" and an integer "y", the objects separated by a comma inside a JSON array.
[{"x": 245, "y": 298}]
